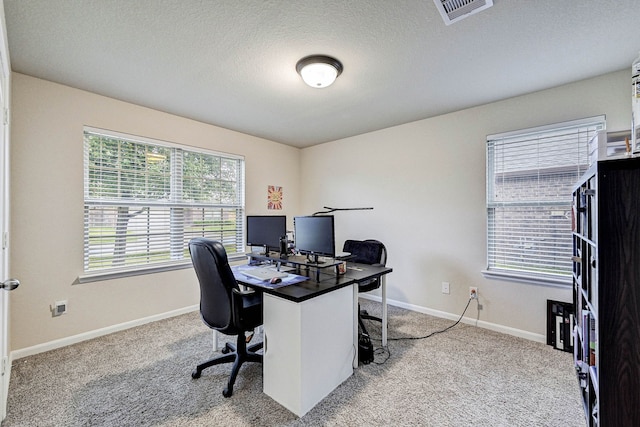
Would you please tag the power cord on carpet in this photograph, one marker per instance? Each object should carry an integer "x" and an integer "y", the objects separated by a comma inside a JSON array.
[{"x": 385, "y": 350}]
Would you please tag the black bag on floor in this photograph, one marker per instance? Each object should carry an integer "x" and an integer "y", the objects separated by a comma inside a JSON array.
[{"x": 365, "y": 349}]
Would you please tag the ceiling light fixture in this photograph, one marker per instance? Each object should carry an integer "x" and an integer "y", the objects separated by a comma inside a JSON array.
[{"x": 318, "y": 70}]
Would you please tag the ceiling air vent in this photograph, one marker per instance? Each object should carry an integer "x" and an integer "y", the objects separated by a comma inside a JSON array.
[{"x": 455, "y": 10}]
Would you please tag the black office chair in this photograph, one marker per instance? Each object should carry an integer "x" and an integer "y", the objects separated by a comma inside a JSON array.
[
  {"x": 372, "y": 252},
  {"x": 224, "y": 307}
]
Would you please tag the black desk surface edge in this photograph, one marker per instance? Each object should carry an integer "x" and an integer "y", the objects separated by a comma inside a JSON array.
[{"x": 330, "y": 282}]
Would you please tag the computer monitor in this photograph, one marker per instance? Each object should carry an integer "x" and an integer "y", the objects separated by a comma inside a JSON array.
[
  {"x": 266, "y": 231},
  {"x": 315, "y": 236}
]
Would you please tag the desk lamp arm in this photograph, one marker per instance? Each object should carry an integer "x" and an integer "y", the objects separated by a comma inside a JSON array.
[{"x": 329, "y": 210}]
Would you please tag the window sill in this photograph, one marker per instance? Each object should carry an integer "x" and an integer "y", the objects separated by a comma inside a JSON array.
[
  {"x": 522, "y": 278},
  {"x": 97, "y": 276}
]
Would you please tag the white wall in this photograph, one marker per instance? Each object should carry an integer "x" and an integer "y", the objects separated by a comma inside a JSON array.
[
  {"x": 47, "y": 208},
  {"x": 426, "y": 182}
]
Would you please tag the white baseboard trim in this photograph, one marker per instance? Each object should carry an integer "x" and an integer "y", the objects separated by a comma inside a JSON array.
[
  {"x": 467, "y": 320},
  {"x": 74, "y": 339},
  {"x": 52, "y": 345}
]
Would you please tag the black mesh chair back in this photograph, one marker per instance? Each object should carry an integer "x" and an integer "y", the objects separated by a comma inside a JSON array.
[
  {"x": 366, "y": 251},
  {"x": 370, "y": 251}
]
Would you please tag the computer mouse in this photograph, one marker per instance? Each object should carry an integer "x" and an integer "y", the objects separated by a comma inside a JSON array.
[{"x": 275, "y": 280}]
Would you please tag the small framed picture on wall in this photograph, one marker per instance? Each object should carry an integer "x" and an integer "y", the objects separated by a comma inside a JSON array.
[{"x": 274, "y": 197}]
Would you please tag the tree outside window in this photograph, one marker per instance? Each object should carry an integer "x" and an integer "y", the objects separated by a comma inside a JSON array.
[{"x": 145, "y": 199}]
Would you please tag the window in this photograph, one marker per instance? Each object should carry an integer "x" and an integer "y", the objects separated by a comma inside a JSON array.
[
  {"x": 530, "y": 176},
  {"x": 145, "y": 199}
]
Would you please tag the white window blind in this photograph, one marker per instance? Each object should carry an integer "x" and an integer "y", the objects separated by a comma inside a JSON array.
[
  {"x": 530, "y": 175},
  {"x": 145, "y": 199}
]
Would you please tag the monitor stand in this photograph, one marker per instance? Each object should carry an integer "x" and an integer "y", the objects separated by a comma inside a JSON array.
[
  {"x": 313, "y": 259},
  {"x": 265, "y": 250}
]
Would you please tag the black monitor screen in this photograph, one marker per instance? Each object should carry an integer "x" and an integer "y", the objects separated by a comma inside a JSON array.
[
  {"x": 266, "y": 230},
  {"x": 315, "y": 235}
]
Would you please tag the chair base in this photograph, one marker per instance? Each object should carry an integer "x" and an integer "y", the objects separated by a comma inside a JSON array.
[
  {"x": 366, "y": 315},
  {"x": 238, "y": 354},
  {"x": 363, "y": 314}
]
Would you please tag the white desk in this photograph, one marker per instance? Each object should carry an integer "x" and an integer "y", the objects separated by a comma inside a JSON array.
[{"x": 311, "y": 335}]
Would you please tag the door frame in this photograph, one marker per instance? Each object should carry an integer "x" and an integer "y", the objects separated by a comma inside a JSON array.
[{"x": 5, "y": 86}]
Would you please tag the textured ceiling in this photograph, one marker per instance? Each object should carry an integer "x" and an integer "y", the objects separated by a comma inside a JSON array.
[{"x": 232, "y": 63}]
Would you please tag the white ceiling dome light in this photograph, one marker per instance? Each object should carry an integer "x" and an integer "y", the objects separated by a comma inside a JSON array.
[{"x": 319, "y": 71}]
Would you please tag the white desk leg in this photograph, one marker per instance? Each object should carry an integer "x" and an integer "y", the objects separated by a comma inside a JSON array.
[
  {"x": 215, "y": 340},
  {"x": 384, "y": 310},
  {"x": 355, "y": 326}
]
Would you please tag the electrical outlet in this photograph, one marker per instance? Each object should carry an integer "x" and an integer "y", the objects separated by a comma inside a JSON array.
[
  {"x": 445, "y": 287},
  {"x": 59, "y": 308},
  {"x": 473, "y": 292}
]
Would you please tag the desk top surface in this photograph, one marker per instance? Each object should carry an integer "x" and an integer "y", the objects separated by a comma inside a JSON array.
[{"x": 328, "y": 282}]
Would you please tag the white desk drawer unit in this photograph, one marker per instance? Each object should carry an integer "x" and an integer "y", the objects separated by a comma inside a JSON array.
[{"x": 309, "y": 347}]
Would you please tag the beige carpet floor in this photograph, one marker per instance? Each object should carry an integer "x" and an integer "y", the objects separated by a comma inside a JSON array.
[{"x": 467, "y": 376}]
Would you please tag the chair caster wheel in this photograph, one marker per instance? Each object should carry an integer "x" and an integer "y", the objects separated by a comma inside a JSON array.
[
  {"x": 225, "y": 350},
  {"x": 195, "y": 374},
  {"x": 227, "y": 392}
]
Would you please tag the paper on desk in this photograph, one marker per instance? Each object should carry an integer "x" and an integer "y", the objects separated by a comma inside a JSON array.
[{"x": 290, "y": 279}]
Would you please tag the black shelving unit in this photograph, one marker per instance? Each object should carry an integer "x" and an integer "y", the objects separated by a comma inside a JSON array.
[{"x": 606, "y": 291}]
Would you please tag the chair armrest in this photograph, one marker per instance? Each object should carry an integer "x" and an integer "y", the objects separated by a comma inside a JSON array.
[
  {"x": 246, "y": 308},
  {"x": 239, "y": 293}
]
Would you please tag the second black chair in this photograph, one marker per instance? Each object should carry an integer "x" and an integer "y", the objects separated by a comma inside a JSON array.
[
  {"x": 372, "y": 252},
  {"x": 224, "y": 307}
]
